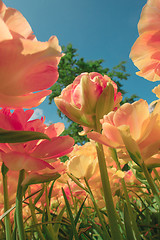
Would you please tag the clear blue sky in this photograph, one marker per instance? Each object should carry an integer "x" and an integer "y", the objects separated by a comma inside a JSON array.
[{"x": 99, "y": 29}]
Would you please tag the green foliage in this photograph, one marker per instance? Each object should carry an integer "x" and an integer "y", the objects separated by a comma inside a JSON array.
[
  {"x": 7, "y": 136},
  {"x": 71, "y": 66}
]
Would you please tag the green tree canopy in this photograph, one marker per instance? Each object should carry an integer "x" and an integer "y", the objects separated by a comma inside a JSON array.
[{"x": 71, "y": 66}]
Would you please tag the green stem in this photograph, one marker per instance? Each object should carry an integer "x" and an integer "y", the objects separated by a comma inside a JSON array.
[
  {"x": 131, "y": 215},
  {"x": 50, "y": 228},
  {"x": 19, "y": 215},
  {"x": 115, "y": 231},
  {"x": 32, "y": 208},
  {"x": 97, "y": 211},
  {"x": 157, "y": 175},
  {"x": 151, "y": 183},
  {"x": 74, "y": 202},
  {"x": 6, "y": 203}
]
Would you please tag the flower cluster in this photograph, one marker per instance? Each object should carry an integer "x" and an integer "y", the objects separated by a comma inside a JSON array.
[{"x": 104, "y": 182}]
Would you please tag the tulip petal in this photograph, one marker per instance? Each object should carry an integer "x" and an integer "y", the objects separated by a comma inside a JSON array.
[
  {"x": 156, "y": 90},
  {"x": 89, "y": 93},
  {"x": 153, "y": 162},
  {"x": 55, "y": 130},
  {"x": 4, "y": 29},
  {"x": 2, "y": 6},
  {"x": 112, "y": 133},
  {"x": 102, "y": 139},
  {"x": 30, "y": 72},
  {"x": 145, "y": 55},
  {"x": 150, "y": 17},
  {"x": 57, "y": 147},
  {"x": 17, "y": 24},
  {"x": 35, "y": 178},
  {"x": 73, "y": 113},
  {"x": 105, "y": 103},
  {"x": 27, "y": 101},
  {"x": 130, "y": 144},
  {"x": 17, "y": 161},
  {"x": 132, "y": 115}
]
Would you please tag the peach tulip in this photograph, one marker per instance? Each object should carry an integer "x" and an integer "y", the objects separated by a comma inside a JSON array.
[
  {"x": 83, "y": 161},
  {"x": 145, "y": 51},
  {"x": 134, "y": 128},
  {"x": 90, "y": 96},
  {"x": 27, "y": 67},
  {"x": 34, "y": 155}
]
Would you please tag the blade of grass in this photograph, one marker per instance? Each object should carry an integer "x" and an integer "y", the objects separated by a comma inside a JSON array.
[
  {"x": 128, "y": 225},
  {"x": 79, "y": 212},
  {"x": 97, "y": 211},
  {"x": 70, "y": 215},
  {"x": 57, "y": 224}
]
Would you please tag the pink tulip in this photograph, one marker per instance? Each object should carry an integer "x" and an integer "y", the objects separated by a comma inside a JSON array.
[
  {"x": 90, "y": 95},
  {"x": 145, "y": 51},
  {"x": 27, "y": 67},
  {"x": 134, "y": 128},
  {"x": 34, "y": 155}
]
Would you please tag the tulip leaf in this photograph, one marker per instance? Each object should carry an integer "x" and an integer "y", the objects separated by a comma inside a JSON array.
[
  {"x": 36, "y": 178},
  {"x": 128, "y": 225},
  {"x": 71, "y": 216},
  {"x": 7, "y": 136}
]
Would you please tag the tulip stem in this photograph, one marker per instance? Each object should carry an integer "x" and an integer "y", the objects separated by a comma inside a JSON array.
[
  {"x": 112, "y": 217},
  {"x": 130, "y": 211},
  {"x": 151, "y": 183},
  {"x": 6, "y": 202},
  {"x": 97, "y": 211},
  {"x": 35, "y": 222},
  {"x": 50, "y": 226},
  {"x": 19, "y": 216}
]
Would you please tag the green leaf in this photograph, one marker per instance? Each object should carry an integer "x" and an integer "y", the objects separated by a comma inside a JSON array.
[
  {"x": 128, "y": 225},
  {"x": 7, "y": 136},
  {"x": 4, "y": 169},
  {"x": 57, "y": 225},
  {"x": 79, "y": 212},
  {"x": 39, "y": 195},
  {"x": 70, "y": 215}
]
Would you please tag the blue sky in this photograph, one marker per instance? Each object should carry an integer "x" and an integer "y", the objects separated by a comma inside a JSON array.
[{"x": 99, "y": 29}]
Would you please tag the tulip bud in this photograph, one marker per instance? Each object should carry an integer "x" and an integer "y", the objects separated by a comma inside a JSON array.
[{"x": 88, "y": 98}]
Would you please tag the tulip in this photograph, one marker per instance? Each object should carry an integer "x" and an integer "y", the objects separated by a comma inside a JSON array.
[
  {"x": 88, "y": 98},
  {"x": 27, "y": 67},
  {"x": 77, "y": 163},
  {"x": 134, "y": 128},
  {"x": 34, "y": 155},
  {"x": 145, "y": 51}
]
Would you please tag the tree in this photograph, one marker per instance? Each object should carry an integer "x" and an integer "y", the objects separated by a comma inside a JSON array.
[{"x": 71, "y": 66}]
